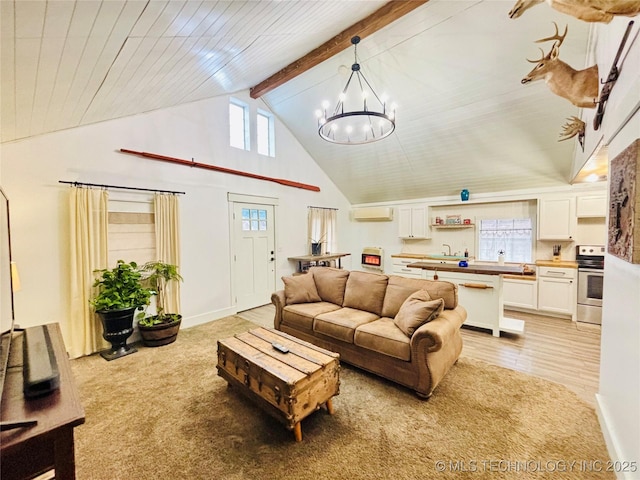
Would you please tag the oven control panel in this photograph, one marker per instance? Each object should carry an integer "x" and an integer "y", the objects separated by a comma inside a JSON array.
[{"x": 595, "y": 250}]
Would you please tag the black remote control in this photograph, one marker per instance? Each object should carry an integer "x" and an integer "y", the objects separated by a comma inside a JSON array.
[{"x": 280, "y": 348}]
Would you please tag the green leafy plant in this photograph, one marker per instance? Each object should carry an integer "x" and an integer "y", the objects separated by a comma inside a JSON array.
[
  {"x": 159, "y": 275},
  {"x": 121, "y": 287}
]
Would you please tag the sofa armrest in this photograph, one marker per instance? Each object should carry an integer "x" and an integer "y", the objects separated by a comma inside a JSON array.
[
  {"x": 435, "y": 347},
  {"x": 434, "y": 334},
  {"x": 278, "y": 299}
]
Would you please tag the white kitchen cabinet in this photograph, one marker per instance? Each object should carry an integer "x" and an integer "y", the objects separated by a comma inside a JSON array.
[
  {"x": 400, "y": 267},
  {"x": 557, "y": 292},
  {"x": 412, "y": 222},
  {"x": 592, "y": 206},
  {"x": 556, "y": 218},
  {"x": 520, "y": 293}
]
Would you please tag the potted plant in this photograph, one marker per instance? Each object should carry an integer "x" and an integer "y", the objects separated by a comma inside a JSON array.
[
  {"x": 161, "y": 328},
  {"x": 120, "y": 293}
]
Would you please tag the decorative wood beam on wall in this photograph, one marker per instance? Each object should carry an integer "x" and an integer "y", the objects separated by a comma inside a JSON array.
[
  {"x": 380, "y": 18},
  {"x": 206, "y": 166}
]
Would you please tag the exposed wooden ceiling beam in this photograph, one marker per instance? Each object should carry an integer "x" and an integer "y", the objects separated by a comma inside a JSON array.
[{"x": 380, "y": 18}]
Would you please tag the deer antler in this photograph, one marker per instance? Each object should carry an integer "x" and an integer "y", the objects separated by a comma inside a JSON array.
[
  {"x": 556, "y": 36},
  {"x": 541, "y": 58},
  {"x": 573, "y": 127}
]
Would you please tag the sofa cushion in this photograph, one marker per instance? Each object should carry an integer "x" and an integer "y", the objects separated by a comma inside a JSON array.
[
  {"x": 330, "y": 283},
  {"x": 417, "y": 310},
  {"x": 342, "y": 323},
  {"x": 301, "y": 315},
  {"x": 399, "y": 289},
  {"x": 300, "y": 289},
  {"x": 365, "y": 291},
  {"x": 383, "y": 336}
]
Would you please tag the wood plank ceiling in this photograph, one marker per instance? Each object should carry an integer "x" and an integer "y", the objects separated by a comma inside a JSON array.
[{"x": 453, "y": 67}]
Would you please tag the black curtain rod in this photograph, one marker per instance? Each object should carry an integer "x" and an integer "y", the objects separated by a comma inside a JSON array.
[
  {"x": 82, "y": 184},
  {"x": 323, "y": 208}
]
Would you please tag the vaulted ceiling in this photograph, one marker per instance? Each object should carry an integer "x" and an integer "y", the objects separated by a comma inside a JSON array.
[{"x": 453, "y": 67}]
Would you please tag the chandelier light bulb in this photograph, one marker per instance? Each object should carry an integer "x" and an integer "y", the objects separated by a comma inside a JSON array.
[{"x": 325, "y": 104}]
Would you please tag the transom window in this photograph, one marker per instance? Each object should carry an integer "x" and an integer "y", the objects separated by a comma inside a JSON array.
[
  {"x": 511, "y": 236},
  {"x": 265, "y": 134},
  {"x": 239, "y": 124}
]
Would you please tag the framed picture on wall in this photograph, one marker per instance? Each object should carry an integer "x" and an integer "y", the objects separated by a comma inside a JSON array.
[{"x": 623, "y": 237}]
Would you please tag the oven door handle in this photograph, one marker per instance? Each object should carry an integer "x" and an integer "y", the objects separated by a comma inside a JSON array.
[{"x": 591, "y": 270}]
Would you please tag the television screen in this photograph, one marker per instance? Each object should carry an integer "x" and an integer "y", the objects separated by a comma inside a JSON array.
[{"x": 6, "y": 288}]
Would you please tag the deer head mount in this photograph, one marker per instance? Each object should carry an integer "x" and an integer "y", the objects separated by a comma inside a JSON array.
[
  {"x": 580, "y": 87},
  {"x": 587, "y": 10}
]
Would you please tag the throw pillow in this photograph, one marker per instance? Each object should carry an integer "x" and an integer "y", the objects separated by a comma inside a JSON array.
[
  {"x": 300, "y": 289},
  {"x": 417, "y": 310}
]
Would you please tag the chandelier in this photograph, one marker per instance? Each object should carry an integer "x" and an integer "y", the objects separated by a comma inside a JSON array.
[{"x": 354, "y": 127}]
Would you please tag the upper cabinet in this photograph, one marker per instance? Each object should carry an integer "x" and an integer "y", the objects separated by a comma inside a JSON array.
[
  {"x": 556, "y": 218},
  {"x": 592, "y": 206},
  {"x": 412, "y": 222}
]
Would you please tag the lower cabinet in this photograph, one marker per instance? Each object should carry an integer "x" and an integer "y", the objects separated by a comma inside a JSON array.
[
  {"x": 520, "y": 293},
  {"x": 400, "y": 268},
  {"x": 557, "y": 290},
  {"x": 557, "y": 295}
]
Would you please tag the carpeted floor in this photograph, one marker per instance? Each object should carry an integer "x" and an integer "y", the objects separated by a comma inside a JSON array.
[{"x": 163, "y": 413}]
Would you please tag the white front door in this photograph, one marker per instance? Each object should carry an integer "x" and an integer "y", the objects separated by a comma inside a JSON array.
[{"x": 253, "y": 254}]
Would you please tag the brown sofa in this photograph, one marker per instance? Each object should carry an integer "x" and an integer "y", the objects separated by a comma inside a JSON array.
[{"x": 403, "y": 329}]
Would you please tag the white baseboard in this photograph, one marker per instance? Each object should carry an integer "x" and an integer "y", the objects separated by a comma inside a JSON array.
[
  {"x": 207, "y": 317},
  {"x": 611, "y": 440}
]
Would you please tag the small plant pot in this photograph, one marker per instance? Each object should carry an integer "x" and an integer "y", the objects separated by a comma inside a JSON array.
[{"x": 161, "y": 334}]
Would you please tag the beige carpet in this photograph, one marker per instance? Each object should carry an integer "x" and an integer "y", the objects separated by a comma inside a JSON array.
[{"x": 163, "y": 413}]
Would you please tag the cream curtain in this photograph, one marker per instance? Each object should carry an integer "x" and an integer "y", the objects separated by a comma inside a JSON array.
[
  {"x": 167, "y": 218},
  {"x": 88, "y": 240},
  {"x": 322, "y": 223}
]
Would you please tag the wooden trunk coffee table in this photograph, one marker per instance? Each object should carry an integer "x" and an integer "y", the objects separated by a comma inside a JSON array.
[{"x": 289, "y": 384}]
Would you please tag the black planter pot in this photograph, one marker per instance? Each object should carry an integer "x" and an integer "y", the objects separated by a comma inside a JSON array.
[
  {"x": 117, "y": 326},
  {"x": 161, "y": 334}
]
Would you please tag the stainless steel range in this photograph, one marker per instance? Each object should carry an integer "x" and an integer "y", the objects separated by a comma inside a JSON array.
[{"x": 590, "y": 260}]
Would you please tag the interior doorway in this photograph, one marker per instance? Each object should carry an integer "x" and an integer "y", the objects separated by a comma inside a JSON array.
[{"x": 253, "y": 253}]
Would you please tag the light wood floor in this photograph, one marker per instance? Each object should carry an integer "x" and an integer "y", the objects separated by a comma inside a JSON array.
[{"x": 559, "y": 350}]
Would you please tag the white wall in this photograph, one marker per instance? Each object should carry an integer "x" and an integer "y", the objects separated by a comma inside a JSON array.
[
  {"x": 31, "y": 170},
  {"x": 618, "y": 398}
]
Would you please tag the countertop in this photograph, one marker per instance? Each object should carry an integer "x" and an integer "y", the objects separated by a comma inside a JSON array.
[
  {"x": 410, "y": 255},
  {"x": 557, "y": 263},
  {"x": 474, "y": 269}
]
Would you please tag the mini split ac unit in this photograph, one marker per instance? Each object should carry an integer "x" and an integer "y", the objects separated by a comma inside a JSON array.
[{"x": 371, "y": 214}]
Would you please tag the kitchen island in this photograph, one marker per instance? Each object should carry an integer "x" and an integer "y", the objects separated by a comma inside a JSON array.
[{"x": 479, "y": 292}]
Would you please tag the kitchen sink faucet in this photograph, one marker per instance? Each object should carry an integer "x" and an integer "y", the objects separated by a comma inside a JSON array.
[{"x": 449, "y": 247}]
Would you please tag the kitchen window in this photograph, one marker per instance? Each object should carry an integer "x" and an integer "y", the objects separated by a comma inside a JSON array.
[{"x": 511, "y": 236}]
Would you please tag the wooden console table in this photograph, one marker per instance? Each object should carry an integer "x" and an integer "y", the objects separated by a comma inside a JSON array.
[
  {"x": 32, "y": 450},
  {"x": 316, "y": 259}
]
